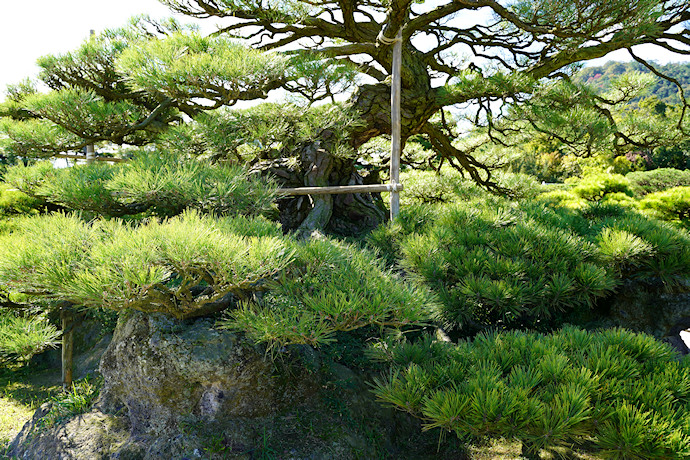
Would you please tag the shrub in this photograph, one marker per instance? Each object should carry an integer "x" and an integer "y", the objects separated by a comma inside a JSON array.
[
  {"x": 23, "y": 336},
  {"x": 622, "y": 250},
  {"x": 495, "y": 264},
  {"x": 671, "y": 204},
  {"x": 562, "y": 198},
  {"x": 449, "y": 185},
  {"x": 657, "y": 180},
  {"x": 329, "y": 287},
  {"x": 669, "y": 259},
  {"x": 677, "y": 156},
  {"x": 595, "y": 186},
  {"x": 13, "y": 202},
  {"x": 626, "y": 393},
  {"x": 191, "y": 265},
  {"x": 163, "y": 185}
]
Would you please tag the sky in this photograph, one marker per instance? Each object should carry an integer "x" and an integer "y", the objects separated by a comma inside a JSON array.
[{"x": 33, "y": 28}]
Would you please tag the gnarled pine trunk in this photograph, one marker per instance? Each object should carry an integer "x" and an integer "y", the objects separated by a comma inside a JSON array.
[{"x": 347, "y": 214}]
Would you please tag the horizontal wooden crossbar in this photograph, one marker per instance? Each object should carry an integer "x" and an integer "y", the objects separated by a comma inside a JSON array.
[
  {"x": 340, "y": 189},
  {"x": 82, "y": 157}
]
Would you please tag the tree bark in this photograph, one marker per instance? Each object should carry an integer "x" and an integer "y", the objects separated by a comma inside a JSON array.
[
  {"x": 347, "y": 214},
  {"x": 320, "y": 164}
]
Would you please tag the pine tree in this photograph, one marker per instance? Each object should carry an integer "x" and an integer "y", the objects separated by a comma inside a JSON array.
[{"x": 128, "y": 86}]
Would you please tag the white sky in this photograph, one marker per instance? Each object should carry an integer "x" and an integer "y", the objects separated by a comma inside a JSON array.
[
  {"x": 33, "y": 28},
  {"x": 30, "y": 29}
]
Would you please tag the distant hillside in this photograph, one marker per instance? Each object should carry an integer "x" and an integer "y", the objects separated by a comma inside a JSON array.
[{"x": 601, "y": 77}]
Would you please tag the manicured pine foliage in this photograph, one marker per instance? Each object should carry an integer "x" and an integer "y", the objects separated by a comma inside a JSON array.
[
  {"x": 264, "y": 132},
  {"x": 289, "y": 291},
  {"x": 330, "y": 287},
  {"x": 500, "y": 263},
  {"x": 157, "y": 183},
  {"x": 24, "y": 335},
  {"x": 657, "y": 180},
  {"x": 13, "y": 202},
  {"x": 626, "y": 393},
  {"x": 670, "y": 204}
]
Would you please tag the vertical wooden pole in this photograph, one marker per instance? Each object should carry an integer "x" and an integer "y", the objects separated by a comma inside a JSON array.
[
  {"x": 90, "y": 150},
  {"x": 395, "y": 125},
  {"x": 90, "y": 153},
  {"x": 67, "y": 317}
]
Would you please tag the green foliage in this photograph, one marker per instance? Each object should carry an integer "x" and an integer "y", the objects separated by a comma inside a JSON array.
[
  {"x": 329, "y": 287},
  {"x": 14, "y": 202},
  {"x": 289, "y": 291},
  {"x": 85, "y": 113},
  {"x": 671, "y": 204},
  {"x": 622, "y": 250},
  {"x": 497, "y": 263},
  {"x": 677, "y": 156},
  {"x": 23, "y": 336},
  {"x": 448, "y": 185},
  {"x": 77, "y": 400},
  {"x": 625, "y": 392},
  {"x": 33, "y": 260},
  {"x": 657, "y": 180},
  {"x": 188, "y": 66},
  {"x": 178, "y": 266},
  {"x": 266, "y": 131},
  {"x": 601, "y": 78},
  {"x": 316, "y": 79},
  {"x": 494, "y": 264},
  {"x": 162, "y": 184},
  {"x": 34, "y": 138},
  {"x": 594, "y": 187}
]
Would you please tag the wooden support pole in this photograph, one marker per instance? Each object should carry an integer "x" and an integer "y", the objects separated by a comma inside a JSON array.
[
  {"x": 341, "y": 189},
  {"x": 395, "y": 125},
  {"x": 67, "y": 319},
  {"x": 90, "y": 153},
  {"x": 81, "y": 157}
]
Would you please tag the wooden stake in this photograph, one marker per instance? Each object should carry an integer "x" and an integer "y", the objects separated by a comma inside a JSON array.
[{"x": 67, "y": 317}]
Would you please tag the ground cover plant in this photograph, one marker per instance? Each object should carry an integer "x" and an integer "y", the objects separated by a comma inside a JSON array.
[
  {"x": 530, "y": 263},
  {"x": 625, "y": 392}
]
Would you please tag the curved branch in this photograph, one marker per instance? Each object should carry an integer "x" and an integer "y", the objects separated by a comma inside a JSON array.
[
  {"x": 681, "y": 92},
  {"x": 442, "y": 144}
]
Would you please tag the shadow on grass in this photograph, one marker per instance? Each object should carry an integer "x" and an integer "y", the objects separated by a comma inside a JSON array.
[{"x": 29, "y": 385}]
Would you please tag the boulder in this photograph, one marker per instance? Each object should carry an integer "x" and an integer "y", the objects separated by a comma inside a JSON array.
[
  {"x": 184, "y": 390},
  {"x": 655, "y": 311}
]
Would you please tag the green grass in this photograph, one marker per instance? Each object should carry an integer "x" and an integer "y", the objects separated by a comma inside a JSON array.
[{"x": 22, "y": 391}]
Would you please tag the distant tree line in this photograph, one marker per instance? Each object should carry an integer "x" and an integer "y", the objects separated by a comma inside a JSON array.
[{"x": 667, "y": 92}]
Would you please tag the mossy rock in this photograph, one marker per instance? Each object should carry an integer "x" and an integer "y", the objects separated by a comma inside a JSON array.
[{"x": 182, "y": 389}]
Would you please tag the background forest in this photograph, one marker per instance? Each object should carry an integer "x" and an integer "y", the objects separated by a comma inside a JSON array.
[{"x": 531, "y": 291}]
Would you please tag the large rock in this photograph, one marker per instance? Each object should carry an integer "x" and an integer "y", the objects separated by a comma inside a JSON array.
[
  {"x": 161, "y": 370},
  {"x": 181, "y": 389},
  {"x": 655, "y": 311}
]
